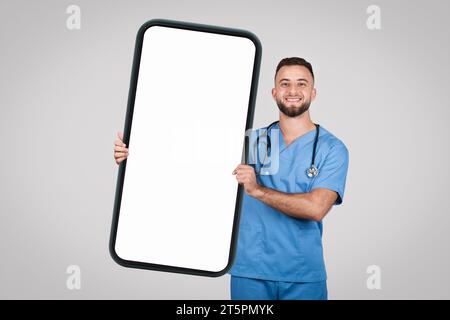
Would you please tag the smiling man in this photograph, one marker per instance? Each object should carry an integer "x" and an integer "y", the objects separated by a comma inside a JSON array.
[{"x": 279, "y": 251}]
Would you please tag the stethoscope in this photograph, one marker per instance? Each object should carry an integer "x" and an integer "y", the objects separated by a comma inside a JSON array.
[{"x": 312, "y": 171}]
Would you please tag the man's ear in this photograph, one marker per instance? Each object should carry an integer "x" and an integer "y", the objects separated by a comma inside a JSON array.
[
  {"x": 313, "y": 94},
  {"x": 274, "y": 93}
]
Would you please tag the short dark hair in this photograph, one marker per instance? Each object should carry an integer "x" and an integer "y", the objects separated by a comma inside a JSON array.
[{"x": 295, "y": 61}]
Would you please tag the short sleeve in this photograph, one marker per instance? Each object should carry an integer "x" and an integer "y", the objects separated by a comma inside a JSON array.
[{"x": 333, "y": 173}]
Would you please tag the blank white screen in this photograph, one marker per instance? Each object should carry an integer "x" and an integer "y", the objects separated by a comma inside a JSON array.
[{"x": 179, "y": 196}]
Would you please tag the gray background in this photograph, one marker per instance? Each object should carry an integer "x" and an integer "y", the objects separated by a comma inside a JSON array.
[{"x": 383, "y": 92}]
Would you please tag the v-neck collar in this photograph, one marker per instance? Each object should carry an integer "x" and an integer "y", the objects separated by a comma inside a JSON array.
[{"x": 304, "y": 136}]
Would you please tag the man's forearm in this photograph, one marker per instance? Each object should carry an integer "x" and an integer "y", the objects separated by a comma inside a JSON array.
[{"x": 298, "y": 205}]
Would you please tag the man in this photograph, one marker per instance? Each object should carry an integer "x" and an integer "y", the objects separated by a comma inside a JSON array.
[{"x": 279, "y": 251}]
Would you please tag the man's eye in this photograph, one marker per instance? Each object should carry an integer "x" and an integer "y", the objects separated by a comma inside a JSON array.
[
  {"x": 284, "y": 84},
  {"x": 303, "y": 84}
]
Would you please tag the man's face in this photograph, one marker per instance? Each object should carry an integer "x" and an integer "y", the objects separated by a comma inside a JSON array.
[{"x": 294, "y": 90}]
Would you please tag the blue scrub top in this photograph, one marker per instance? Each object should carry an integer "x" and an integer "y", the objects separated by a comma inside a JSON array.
[{"x": 274, "y": 246}]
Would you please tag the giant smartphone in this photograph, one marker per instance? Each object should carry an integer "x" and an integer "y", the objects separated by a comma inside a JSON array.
[{"x": 191, "y": 100}]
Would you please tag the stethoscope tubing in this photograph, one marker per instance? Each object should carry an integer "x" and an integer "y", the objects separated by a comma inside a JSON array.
[{"x": 312, "y": 170}]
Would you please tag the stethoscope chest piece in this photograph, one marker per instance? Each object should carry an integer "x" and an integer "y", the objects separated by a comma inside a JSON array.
[{"x": 312, "y": 171}]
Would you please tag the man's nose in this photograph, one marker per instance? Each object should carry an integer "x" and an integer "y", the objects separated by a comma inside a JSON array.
[{"x": 293, "y": 91}]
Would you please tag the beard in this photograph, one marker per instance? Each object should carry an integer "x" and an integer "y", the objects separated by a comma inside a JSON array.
[{"x": 293, "y": 111}]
